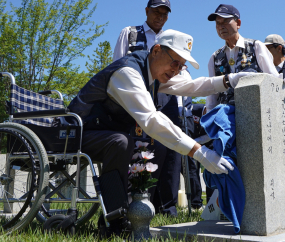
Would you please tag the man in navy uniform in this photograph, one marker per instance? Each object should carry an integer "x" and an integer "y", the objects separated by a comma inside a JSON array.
[
  {"x": 237, "y": 55},
  {"x": 275, "y": 44}
]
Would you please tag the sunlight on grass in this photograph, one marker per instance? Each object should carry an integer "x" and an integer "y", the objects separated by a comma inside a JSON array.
[{"x": 88, "y": 232}]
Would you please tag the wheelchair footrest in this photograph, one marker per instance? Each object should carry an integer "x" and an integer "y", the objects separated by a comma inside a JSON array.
[{"x": 119, "y": 213}]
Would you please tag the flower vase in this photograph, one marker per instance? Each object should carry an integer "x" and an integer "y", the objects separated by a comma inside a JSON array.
[{"x": 140, "y": 213}]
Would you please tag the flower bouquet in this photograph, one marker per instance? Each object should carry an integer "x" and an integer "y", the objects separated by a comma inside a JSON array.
[{"x": 141, "y": 169}]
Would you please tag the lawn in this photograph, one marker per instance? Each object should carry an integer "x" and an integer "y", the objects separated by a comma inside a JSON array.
[{"x": 88, "y": 232}]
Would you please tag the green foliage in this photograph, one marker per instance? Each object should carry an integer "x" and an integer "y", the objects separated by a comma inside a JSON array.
[
  {"x": 141, "y": 169},
  {"x": 4, "y": 88},
  {"x": 102, "y": 58},
  {"x": 142, "y": 181},
  {"x": 39, "y": 42},
  {"x": 199, "y": 100}
]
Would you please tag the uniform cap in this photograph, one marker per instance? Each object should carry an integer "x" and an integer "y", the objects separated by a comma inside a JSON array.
[
  {"x": 224, "y": 11},
  {"x": 157, "y": 3},
  {"x": 180, "y": 43},
  {"x": 274, "y": 39}
]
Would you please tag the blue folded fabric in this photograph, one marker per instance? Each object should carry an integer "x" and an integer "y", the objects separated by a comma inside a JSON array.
[{"x": 219, "y": 124}]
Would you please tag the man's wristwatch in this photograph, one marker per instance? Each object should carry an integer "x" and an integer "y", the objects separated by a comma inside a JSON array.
[{"x": 227, "y": 81}]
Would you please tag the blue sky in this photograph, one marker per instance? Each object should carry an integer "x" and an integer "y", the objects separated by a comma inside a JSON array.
[{"x": 259, "y": 18}]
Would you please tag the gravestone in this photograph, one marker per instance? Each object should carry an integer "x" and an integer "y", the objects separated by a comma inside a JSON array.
[
  {"x": 86, "y": 181},
  {"x": 260, "y": 137},
  {"x": 16, "y": 188}
]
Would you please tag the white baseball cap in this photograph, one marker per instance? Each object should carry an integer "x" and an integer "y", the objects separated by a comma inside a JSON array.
[
  {"x": 180, "y": 43},
  {"x": 274, "y": 39}
]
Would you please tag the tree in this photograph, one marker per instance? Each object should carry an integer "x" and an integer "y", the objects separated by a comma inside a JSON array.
[
  {"x": 198, "y": 100},
  {"x": 103, "y": 58},
  {"x": 39, "y": 42}
]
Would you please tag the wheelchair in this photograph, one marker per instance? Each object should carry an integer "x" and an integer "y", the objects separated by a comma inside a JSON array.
[{"x": 43, "y": 173}]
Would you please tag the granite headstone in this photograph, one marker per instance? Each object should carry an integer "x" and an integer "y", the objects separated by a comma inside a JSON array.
[{"x": 260, "y": 137}]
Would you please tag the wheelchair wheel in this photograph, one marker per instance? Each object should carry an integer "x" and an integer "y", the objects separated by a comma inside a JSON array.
[
  {"x": 23, "y": 176},
  {"x": 60, "y": 185},
  {"x": 51, "y": 226}
]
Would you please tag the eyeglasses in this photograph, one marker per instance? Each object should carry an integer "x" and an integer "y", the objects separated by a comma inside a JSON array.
[
  {"x": 176, "y": 64},
  {"x": 271, "y": 46},
  {"x": 225, "y": 22}
]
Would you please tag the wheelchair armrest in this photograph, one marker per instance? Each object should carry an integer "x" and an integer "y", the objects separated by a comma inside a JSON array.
[
  {"x": 50, "y": 92},
  {"x": 45, "y": 92},
  {"x": 41, "y": 113}
]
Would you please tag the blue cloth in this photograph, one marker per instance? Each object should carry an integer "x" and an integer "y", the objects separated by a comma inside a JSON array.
[{"x": 219, "y": 124}]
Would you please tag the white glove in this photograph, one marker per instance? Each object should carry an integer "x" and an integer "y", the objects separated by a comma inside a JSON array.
[
  {"x": 203, "y": 139},
  {"x": 212, "y": 161},
  {"x": 234, "y": 77}
]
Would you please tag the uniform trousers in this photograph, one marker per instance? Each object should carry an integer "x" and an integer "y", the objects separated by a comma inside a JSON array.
[
  {"x": 194, "y": 170},
  {"x": 166, "y": 194},
  {"x": 195, "y": 183}
]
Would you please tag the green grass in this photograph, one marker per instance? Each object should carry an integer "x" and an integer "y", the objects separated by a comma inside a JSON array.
[
  {"x": 204, "y": 197},
  {"x": 34, "y": 233}
]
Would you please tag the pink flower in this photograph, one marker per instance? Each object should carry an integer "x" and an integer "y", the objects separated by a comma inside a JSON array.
[
  {"x": 137, "y": 168},
  {"x": 141, "y": 144},
  {"x": 147, "y": 155},
  {"x": 136, "y": 155},
  {"x": 151, "y": 167}
]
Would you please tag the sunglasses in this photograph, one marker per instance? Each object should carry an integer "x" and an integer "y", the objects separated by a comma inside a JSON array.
[{"x": 176, "y": 64}]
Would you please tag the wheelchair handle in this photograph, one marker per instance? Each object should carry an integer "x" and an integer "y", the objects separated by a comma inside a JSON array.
[
  {"x": 50, "y": 92},
  {"x": 12, "y": 78}
]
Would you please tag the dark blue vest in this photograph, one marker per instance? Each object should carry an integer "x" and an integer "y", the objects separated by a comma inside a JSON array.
[
  {"x": 137, "y": 39},
  {"x": 97, "y": 110},
  {"x": 246, "y": 61}
]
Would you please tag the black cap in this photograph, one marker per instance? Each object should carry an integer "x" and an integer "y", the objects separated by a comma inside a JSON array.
[
  {"x": 157, "y": 3},
  {"x": 224, "y": 11}
]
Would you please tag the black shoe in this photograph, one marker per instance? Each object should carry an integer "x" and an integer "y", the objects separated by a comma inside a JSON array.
[
  {"x": 126, "y": 225},
  {"x": 118, "y": 227},
  {"x": 196, "y": 205},
  {"x": 170, "y": 212}
]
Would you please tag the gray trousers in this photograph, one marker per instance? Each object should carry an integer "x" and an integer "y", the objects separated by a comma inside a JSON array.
[{"x": 115, "y": 150}]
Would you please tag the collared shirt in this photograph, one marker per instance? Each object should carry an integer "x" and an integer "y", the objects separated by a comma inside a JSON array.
[
  {"x": 127, "y": 88},
  {"x": 122, "y": 45},
  {"x": 264, "y": 60},
  {"x": 280, "y": 66}
]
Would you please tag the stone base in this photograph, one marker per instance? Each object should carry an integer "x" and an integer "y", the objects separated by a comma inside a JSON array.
[{"x": 204, "y": 231}]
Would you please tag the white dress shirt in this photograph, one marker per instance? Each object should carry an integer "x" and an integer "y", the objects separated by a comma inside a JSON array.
[
  {"x": 127, "y": 88},
  {"x": 280, "y": 66},
  {"x": 263, "y": 56},
  {"x": 122, "y": 45}
]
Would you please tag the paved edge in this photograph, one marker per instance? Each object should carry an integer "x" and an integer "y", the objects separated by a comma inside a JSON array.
[{"x": 223, "y": 233}]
